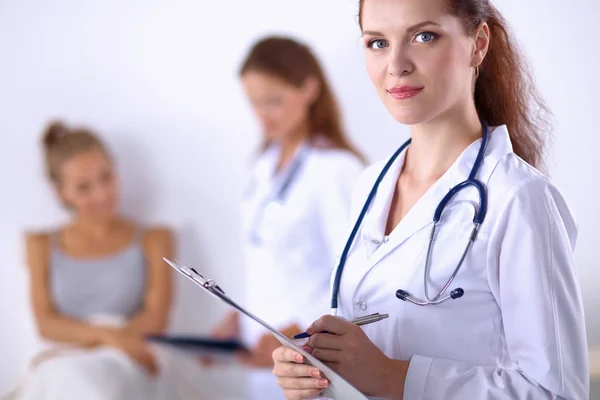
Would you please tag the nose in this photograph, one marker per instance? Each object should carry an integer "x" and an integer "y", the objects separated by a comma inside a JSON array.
[
  {"x": 400, "y": 63},
  {"x": 101, "y": 193},
  {"x": 261, "y": 114}
]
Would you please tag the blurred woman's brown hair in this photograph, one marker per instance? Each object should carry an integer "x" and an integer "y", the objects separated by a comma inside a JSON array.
[{"x": 293, "y": 63}]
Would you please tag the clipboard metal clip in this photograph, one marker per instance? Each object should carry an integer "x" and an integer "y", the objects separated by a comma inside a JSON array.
[
  {"x": 195, "y": 276},
  {"x": 339, "y": 388},
  {"x": 209, "y": 284}
]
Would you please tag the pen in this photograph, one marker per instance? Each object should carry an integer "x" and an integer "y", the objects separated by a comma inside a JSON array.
[{"x": 367, "y": 319}]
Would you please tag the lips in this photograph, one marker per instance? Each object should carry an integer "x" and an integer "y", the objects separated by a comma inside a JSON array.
[{"x": 404, "y": 92}]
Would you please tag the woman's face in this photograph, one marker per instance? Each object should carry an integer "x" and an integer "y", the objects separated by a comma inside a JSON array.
[
  {"x": 419, "y": 57},
  {"x": 88, "y": 185},
  {"x": 281, "y": 108}
]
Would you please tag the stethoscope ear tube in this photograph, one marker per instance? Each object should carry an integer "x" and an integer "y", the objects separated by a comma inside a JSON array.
[{"x": 357, "y": 225}]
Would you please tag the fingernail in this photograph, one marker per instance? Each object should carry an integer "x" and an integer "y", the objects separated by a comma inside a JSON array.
[
  {"x": 309, "y": 330},
  {"x": 299, "y": 357},
  {"x": 323, "y": 383},
  {"x": 316, "y": 373},
  {"x": 308, "y": 349}
]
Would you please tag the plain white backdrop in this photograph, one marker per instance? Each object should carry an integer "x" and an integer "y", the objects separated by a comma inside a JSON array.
[{"x": 158, "y": 79}]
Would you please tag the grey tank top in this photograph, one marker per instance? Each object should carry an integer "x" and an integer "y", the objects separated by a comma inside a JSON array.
[{"x": 114, "y": 284}]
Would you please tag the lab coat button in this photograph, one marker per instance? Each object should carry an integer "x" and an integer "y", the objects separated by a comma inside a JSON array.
[
  {"x": 376, "y": 241},
  {"x": 363, "y": 307}
]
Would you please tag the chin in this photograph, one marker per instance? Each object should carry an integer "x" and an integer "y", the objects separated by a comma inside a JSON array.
[
  {"x": 411, "y": 114},
  {"x": 104, "y": 214},
  {"x": 273, "y": 137},
  {"x": 280, "y": 133},
  {"x": 409, "y": 117},
  {"x": 414, "y": 111},
  {"x": 271, "y": 132}
]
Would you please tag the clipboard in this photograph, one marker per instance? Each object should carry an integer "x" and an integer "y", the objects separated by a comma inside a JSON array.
[{"x": 339, "y": 388}]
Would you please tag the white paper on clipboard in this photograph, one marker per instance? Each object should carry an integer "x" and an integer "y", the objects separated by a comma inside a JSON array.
[{"x": 339, "y": 388}]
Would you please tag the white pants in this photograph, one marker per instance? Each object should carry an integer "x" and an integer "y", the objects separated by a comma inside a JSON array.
[
  {"x": 98, "y": 374},
  {"x": 103, "y": 373}
]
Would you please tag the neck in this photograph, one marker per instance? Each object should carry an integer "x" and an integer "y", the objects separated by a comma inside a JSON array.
[
  {"x": 290, "y": 144},
  {"x": 93, "y": 228},
  {"x": 437, "y": 144}
]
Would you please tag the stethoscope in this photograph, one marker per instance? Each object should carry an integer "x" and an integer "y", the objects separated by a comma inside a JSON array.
[
  {"x": 477, "y": 220},
  {"x": 274, "y": 201}
]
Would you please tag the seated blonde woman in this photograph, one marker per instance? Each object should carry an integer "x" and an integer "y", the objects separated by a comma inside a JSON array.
[{"x": 98, "y": 284}]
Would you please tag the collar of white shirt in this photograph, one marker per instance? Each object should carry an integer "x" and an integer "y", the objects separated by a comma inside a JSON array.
[{"x": 421, "y": 214}]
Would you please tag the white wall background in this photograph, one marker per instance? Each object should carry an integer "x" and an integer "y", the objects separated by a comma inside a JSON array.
[{"x": 158, "y": 79}]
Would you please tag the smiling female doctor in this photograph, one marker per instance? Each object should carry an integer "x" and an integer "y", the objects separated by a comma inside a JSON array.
[
  {"x": 292, "y": 231},
  {"x": 510, "y": 324}
]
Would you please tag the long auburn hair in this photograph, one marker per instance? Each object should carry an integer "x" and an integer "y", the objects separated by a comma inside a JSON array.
[
  {"x": 294, "y": 62},
  {"x": 504, "y": 91}
]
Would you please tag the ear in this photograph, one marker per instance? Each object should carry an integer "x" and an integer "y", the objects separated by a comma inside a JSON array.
[
  {"x": 482, "y": 43},
  {"x": 312, "y": 89}
]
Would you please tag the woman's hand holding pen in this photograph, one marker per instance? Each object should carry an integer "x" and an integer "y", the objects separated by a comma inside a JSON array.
[{"x": 348, "y": 351}]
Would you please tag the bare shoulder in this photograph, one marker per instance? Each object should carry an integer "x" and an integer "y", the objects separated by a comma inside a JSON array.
[
  {"x": 36, "y": 241},
  {"x": 37, "y": 247},
  {"x": 159, "y": 234},
  {"x": 158, "y": 238}
]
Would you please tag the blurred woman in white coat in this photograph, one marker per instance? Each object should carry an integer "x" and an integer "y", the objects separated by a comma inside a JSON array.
[
  {"x": 297, "y": 201},
  {"x": 459, "y": 237}
]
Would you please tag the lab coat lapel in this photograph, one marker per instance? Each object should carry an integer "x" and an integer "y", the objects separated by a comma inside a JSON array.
[
  {"x": 373, "y": 229},
  {"x": 376, "y": 245},
  {"x": 267, "y": 180},
  {"x": 419, "y": 217}
]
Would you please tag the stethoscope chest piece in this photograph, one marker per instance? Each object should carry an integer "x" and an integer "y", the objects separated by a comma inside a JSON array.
[{"x": 455, "y": 294}]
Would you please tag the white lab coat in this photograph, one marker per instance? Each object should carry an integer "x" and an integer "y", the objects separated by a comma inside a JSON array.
[
  {"x": 287, "y": 272},
  {"x": 518, "y": 332}
]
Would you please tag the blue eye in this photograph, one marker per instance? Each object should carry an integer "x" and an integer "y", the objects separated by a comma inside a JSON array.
[
  {"x": 377, "y": 44},
  {"x": 425, "y": 37}
]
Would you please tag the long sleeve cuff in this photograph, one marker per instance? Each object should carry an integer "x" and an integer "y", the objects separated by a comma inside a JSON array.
[{"x": 418, "y": 371}]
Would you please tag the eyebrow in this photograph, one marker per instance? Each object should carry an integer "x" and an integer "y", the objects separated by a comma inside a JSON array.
[{"x": 409, "y": 29}]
